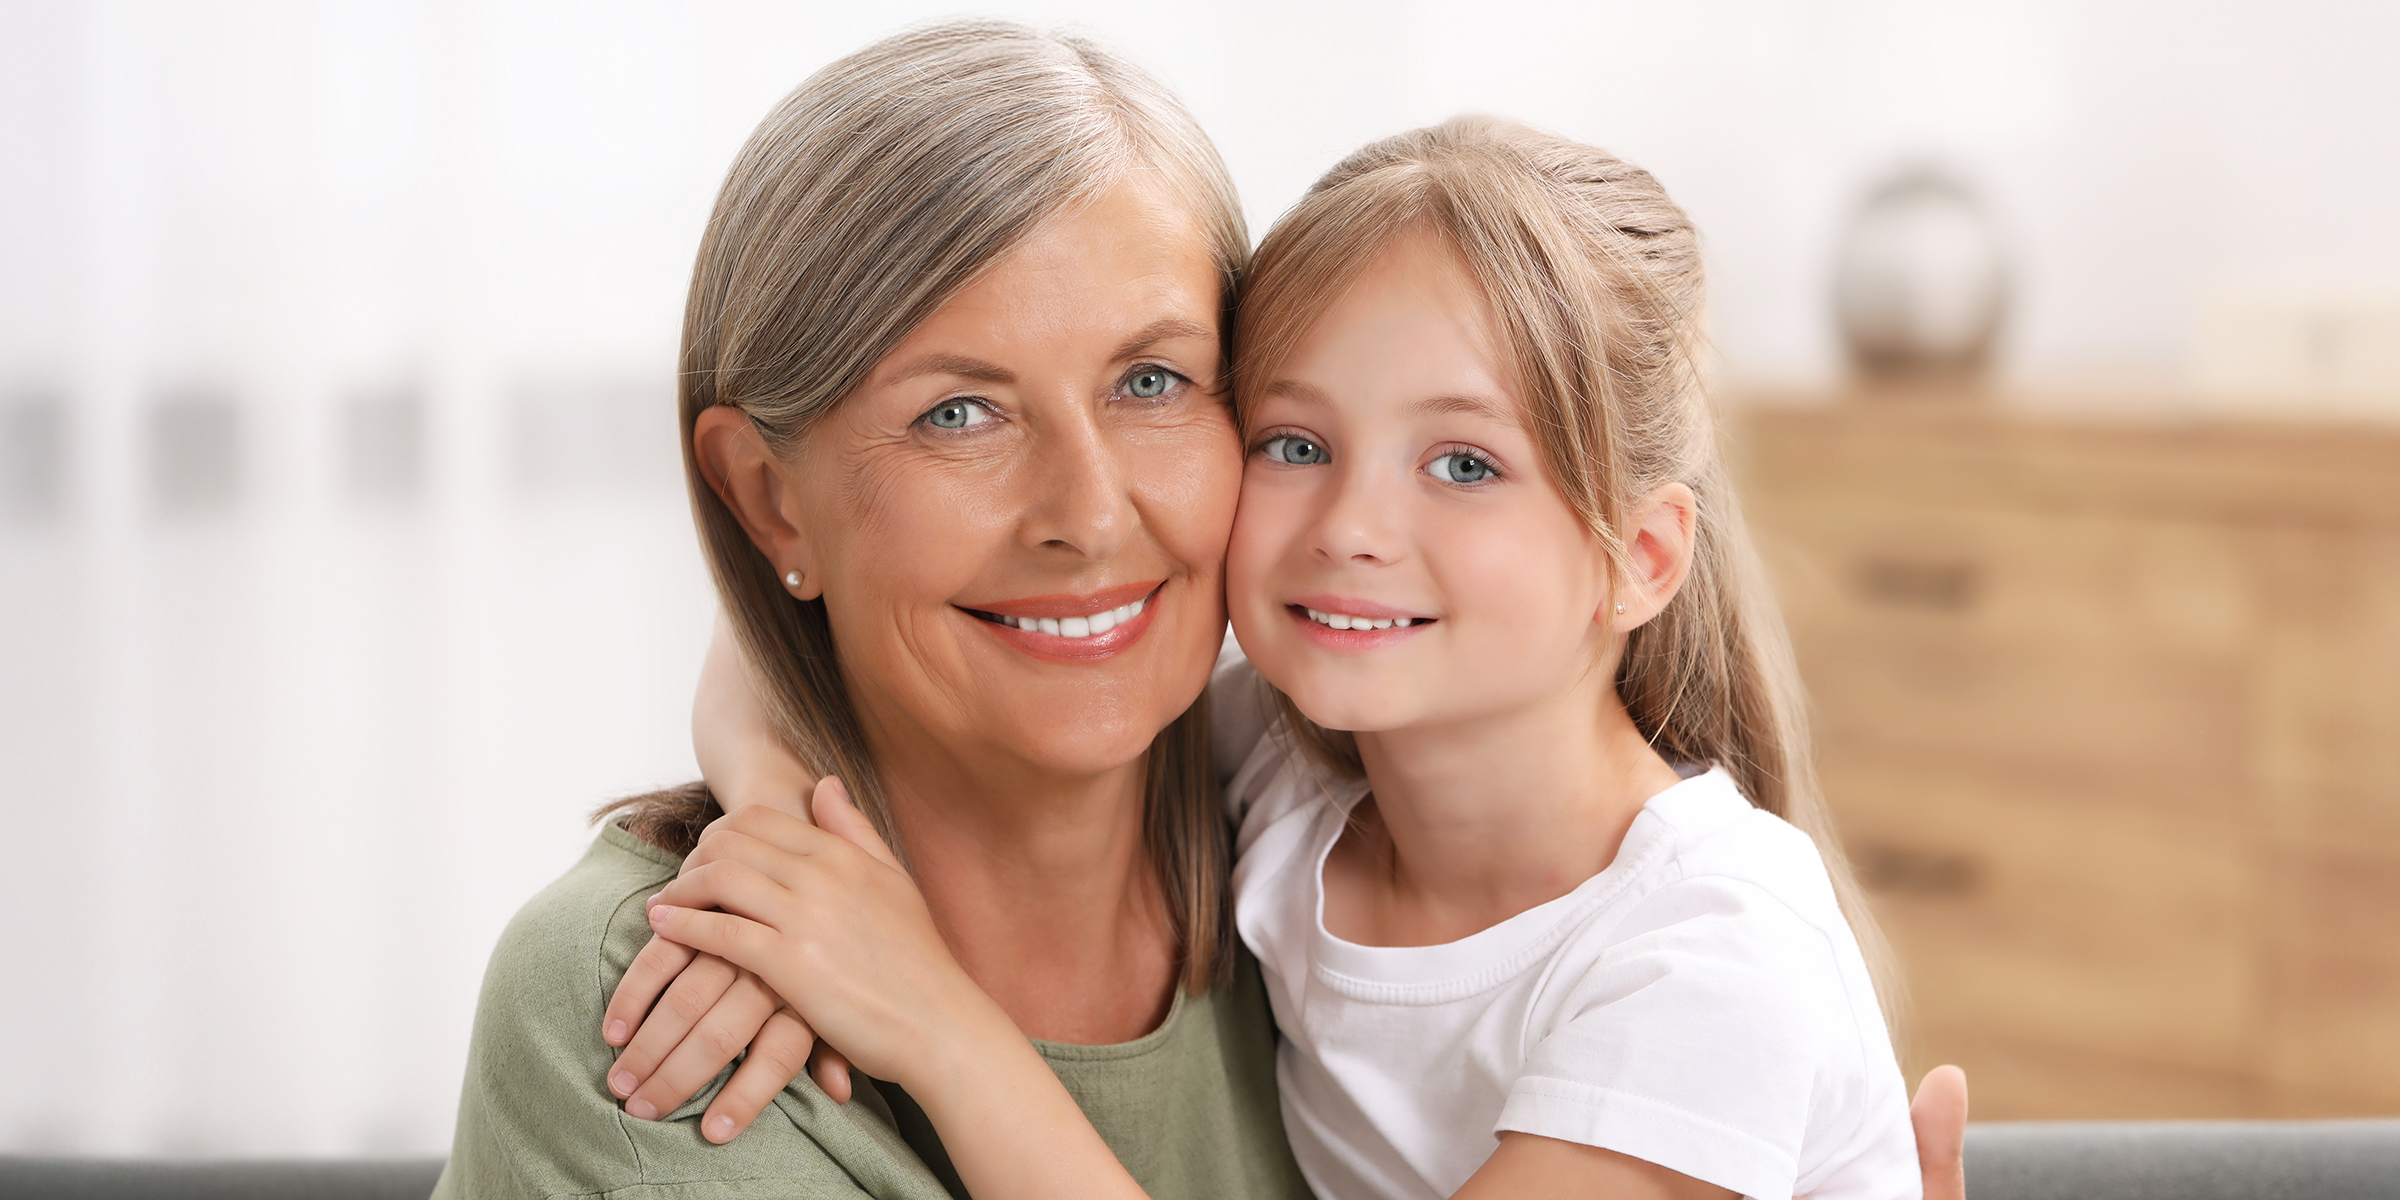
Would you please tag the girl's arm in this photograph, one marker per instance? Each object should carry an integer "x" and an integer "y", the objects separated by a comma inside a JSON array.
[
  {"x": 742, "y": 758},
  {"x": 682, "y": 1017},
  {"x": 1530, "y": 1165},
  {"x": 824, "y": 914}
]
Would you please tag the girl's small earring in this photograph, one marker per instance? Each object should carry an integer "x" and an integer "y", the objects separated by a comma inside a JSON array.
[
  {"x": 791, "y": 579},
  {"x": 1620, "y": 608}
]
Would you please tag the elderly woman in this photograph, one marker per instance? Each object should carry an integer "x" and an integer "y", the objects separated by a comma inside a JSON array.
[{"x": 953, "y": 364}]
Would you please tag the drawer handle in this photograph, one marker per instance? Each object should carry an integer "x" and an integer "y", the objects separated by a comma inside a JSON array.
[
  {"x": 1916, "y": 583},
  {"x": 1903, "y": 871}
]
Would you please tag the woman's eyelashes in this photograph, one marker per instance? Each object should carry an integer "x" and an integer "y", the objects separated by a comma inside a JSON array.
[
  {"x": 957, "y": 414},
  {"x": 1151, "y": 382}
]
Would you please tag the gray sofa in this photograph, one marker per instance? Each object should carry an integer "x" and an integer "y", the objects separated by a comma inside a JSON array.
[{"x": 2075, "y": 1160}]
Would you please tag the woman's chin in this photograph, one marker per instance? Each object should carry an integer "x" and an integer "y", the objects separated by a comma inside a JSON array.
[{"x": 1080, "y": 753}]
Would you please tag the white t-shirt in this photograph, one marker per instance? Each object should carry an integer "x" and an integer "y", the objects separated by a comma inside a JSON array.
[{"x": 1699, "y": 1004}]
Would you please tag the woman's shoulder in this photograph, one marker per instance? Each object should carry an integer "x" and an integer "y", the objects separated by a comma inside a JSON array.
[{"x": 535, "y": 1118}]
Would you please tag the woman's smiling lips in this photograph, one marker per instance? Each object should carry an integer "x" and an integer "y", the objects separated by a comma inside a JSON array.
[
  {"x": 1071, "y": 628},
  {"x": 1344, "y": 623}
]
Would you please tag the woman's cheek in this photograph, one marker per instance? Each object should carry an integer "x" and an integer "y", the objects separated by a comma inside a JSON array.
[{"x": 1195, "y": 483}]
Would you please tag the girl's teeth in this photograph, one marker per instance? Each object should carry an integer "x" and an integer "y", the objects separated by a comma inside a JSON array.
[
  {"x": 1079, "y": 627},
  {"x": 1346, "y": 621}
]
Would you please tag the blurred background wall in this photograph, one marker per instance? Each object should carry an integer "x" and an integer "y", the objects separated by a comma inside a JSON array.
[{"x": 343, "y": 560}]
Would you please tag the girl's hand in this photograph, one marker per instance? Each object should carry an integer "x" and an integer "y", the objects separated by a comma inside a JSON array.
[
  {"x": 824, "y": 914},
  {"x": 826, "y": 917},
  {"x": 1939, "y": 1114},
  {"x": 711, "y": 1011}
]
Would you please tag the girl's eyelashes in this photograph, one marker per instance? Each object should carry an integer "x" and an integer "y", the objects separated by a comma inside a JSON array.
[
  {"x": 1463, "y": 467},
  {"x": 958, "y": 413},
  {"x": 1294, "y": 449}
]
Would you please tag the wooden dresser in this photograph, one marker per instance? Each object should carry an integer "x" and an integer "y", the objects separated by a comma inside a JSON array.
[{"x": 2109, "y": 714}]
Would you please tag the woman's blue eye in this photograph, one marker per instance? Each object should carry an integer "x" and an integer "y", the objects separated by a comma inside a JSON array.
[
  {"x": 956, "y": 414},
  {"x": 1462, "y": 468},
  {"x": 1150, "y": 383},
  {"x": 1294, "y": 449}
]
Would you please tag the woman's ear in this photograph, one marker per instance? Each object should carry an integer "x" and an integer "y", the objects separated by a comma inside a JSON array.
[
  {"x": 1659, "y": 555},
  {"x": 753, "y": 483}
]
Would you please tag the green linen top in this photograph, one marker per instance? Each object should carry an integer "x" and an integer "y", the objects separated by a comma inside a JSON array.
[{"x": 1190, "y": 1109}]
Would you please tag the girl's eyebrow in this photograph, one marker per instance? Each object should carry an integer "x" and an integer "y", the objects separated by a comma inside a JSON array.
[
  {"x": 1306, "y": 393},
  {"x": 1467, "y": 406}
]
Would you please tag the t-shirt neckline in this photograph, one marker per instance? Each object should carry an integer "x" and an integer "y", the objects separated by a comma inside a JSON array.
[{"x": 1450, "y": 970}]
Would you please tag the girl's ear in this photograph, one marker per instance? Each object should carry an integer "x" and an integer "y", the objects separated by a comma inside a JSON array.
[
  {"x": 1659, "y": 555},
  {"x": 755, "y": 485}
]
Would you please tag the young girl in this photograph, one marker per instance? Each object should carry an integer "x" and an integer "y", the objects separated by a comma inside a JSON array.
[{"x": 1532, "y": 850}]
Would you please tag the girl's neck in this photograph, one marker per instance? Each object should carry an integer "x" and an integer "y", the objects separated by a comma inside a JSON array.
[
  {"x": 1470, "y": 823},
  {"x": 1043, "y": 888}
]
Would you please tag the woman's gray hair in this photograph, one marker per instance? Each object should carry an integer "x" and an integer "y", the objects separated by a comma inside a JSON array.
[{"x": 874, "y": 193}]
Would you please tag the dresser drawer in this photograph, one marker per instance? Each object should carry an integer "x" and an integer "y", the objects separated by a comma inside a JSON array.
[
  {"x": 2035, "y": 912},
  {"x": 2059, "y": 578}
]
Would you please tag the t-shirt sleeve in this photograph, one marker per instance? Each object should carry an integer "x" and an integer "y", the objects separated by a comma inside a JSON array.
[{"x": 1693, "y": 1041}]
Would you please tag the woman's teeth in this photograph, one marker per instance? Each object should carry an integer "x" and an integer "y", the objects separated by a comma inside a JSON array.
[
  {"x": 1346, "y": 621},
  {"x": 1079, "y": 627}
]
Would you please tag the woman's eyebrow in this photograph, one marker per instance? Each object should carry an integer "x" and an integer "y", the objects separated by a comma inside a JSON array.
[
  {"x": 1165, "y": 329},
  {"x": 952, "y": 364}
]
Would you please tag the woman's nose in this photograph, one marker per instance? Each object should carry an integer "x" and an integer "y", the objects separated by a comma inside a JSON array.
[
  {"x": 1081, "y": 499},
  {"x": 1360, "y": 521}
]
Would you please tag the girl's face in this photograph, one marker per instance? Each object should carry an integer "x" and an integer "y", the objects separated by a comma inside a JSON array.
[{"x": 1400, "y": 558}]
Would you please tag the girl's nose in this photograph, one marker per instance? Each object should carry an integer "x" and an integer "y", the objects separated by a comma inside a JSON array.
[{"x": 1360, "y": 524}]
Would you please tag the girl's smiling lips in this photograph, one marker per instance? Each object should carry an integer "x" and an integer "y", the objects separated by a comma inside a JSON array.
[
  {"x": 1070, "y": 628},
  {"x": 1318, "y": 615}
]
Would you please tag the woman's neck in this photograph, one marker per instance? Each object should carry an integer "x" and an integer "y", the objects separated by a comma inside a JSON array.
[
  {"x": 1470, "y": 823},
  {"x": 1043, "y": 887}
]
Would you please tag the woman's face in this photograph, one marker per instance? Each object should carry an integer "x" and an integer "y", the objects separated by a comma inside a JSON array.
[{"x": 1052, "y": 448}]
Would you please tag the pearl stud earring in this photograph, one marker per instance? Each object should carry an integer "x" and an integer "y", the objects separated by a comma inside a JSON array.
[
  {"x": 1620, "y": 610},
  {"x": 791, "y": 579}
]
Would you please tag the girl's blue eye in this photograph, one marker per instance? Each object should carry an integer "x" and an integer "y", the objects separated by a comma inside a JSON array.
[
  {"x": 956, "y": 414},
  {"x": 1462, "y": 468},
  {"x": 1294, "y": 449},
  {"x": 1150, "y": 383}
]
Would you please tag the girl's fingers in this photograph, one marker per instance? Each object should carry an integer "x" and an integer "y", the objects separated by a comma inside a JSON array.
[
  {"x": 835, "y": 814},
  {"x": 831, "y": 1071},
  {"x": 738, "y": 940},
  {"x": 687, "y": 1000},
  {"x": 1939, "y": 1114},
  {"x": 775, "y": 1058},
  {"x": 735, "y": 887},
  {"x": 715, "y": 1040},
  {"x": 653, "y": 969}
]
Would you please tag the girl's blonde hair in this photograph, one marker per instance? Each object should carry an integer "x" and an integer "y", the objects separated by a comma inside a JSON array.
[
  {"x": 886, "y": 183},
  {"x": 1594, "y": 280}
]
